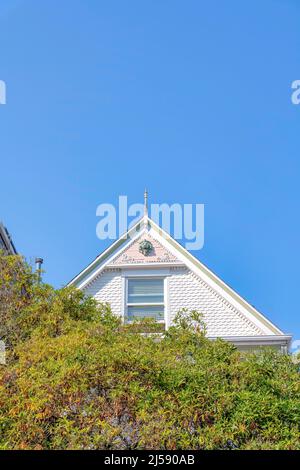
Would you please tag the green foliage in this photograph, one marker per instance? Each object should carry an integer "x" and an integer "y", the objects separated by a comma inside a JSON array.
[{"x": 76, "y": 378}]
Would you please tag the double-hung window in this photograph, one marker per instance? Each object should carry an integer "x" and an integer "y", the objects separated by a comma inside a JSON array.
[{"x": 145, "y": 298}]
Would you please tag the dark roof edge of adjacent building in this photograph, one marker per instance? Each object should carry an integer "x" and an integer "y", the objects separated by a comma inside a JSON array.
[{"x": 6, "y": 242}]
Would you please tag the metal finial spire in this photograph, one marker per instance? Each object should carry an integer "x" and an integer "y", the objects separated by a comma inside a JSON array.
[{"x": 145, "y": 202}]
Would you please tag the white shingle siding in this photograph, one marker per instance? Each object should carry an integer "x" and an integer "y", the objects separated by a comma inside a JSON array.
[
  {"x": 185, "y": 289},
  {"x": 108, "y": 288}
]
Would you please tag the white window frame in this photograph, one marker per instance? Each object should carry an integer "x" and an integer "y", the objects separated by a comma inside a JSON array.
[{"x": 147, "y": 304}]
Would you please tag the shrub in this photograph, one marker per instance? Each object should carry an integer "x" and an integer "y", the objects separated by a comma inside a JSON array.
[{"x": 76, "y": 378}]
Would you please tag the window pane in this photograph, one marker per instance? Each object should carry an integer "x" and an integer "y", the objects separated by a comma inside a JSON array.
[
  {"x": 141, "y": 291},
  {"x": 138, "y": 313}
]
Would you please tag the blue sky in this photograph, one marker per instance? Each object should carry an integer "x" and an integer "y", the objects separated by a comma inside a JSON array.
[{"x": 191, "y": 99}]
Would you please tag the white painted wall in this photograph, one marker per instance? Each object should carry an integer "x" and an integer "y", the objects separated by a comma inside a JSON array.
[
  {"x": 185, "y": 289},
  {"x": 108, "y": 288}
]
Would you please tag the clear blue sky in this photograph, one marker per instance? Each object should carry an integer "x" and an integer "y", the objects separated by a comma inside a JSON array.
[{"x": 191, "y": 99}]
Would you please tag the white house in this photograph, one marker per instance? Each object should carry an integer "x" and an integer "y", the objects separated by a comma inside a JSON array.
[{"x": 146, "y": 273}]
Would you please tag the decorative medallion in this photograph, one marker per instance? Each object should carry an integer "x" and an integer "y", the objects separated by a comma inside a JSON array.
[{"x": 145, "y": 247}]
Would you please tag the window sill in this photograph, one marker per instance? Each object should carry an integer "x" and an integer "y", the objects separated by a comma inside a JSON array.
[{"x": 144, "y": 328}]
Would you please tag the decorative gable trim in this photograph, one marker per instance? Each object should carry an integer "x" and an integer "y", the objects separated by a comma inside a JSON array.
[{"x": 132, "y": 253}]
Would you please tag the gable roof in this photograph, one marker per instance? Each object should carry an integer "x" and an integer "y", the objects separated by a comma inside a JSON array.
[{"x": 115, "y": 256}]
